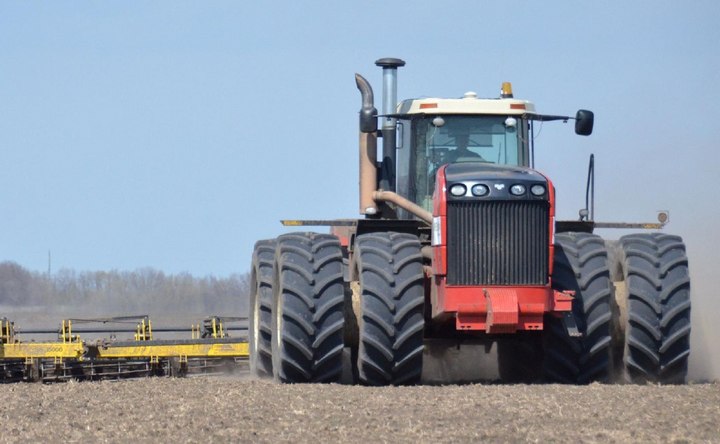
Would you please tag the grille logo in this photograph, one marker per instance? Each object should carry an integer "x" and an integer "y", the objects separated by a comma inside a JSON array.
[{"x": 499, "y": 186}]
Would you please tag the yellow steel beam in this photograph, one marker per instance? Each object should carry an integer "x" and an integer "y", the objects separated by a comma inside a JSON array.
[
  {"x": 232, "y": 349},
  {"x": 25, "y": 350}
]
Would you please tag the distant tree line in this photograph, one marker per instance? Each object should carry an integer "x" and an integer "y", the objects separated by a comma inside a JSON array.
[{"x": 145, "y": 290}]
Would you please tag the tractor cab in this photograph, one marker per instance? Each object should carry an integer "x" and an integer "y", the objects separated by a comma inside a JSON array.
[{"x": 434, "y": 132}]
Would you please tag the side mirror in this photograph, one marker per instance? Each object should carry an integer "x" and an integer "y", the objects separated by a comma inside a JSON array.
[{"x": 584, "y": 120}]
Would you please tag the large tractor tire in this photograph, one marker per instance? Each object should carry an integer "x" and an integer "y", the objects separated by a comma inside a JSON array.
[
  {"x": 308, "y": 302},
  {"x": 581, "y": 265},
  {"x": 657, "y": 321},
  {"x": 260, "y": 331},
  {"x": 391, "y": 328}
]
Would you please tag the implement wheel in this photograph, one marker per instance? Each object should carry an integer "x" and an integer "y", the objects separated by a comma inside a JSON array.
[
  {"x": 308, "y": 303},
  {"x": 580, "y": 265},
  {"x": 260, "y": 331},
  {"x": 392, "y": 320},
  {"x": 657, "y": 328}
]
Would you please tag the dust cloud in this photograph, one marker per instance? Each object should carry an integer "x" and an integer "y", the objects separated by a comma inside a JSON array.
[{"x": 705, "y": 336}]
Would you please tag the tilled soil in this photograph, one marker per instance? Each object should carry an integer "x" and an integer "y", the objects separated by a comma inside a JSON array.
[{"x": 246, "y": 410}]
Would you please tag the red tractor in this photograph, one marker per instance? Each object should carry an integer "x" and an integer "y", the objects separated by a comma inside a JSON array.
[{"x": 459, "y": 243}]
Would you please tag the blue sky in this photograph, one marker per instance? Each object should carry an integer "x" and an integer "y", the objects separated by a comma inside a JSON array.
[{"x": 175, "y": 134}]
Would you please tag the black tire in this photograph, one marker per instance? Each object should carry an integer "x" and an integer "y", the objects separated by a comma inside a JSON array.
[
  {"x": 392, "y": 321},
  {"x": 580, "y": 265},
  {"x": 260, "y": 328},
  {"x": 520, "y": 358},
  {"x": 657, "y": 330},
  {"x": 308, "y": 303}
]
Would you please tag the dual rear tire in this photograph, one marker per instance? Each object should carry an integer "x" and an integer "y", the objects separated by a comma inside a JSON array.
[
  {"x": 261, "y": 298},
  {"x": 581, "y": 265},
  {"x": 392, "y": 321},
  {"x": 637, "y": 331},
  {"x": 307, "y": 309},
  {"x": 655, "y": 295},
  {"x": 297, "y": 309}
]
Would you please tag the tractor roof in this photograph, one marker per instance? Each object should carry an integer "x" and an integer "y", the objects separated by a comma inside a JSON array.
[{"x": 468, "y": 104}]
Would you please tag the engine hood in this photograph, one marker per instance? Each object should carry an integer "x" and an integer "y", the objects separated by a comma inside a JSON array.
[
  {"x": 472, "y": 171},
  {"x": 497, "y": 180}
]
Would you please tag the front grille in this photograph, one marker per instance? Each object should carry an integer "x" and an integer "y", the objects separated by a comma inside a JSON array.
[{"x": 497, "y": 243}]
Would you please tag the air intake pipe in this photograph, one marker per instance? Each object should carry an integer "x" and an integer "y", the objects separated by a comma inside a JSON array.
[{"x": 390, "y": 67}]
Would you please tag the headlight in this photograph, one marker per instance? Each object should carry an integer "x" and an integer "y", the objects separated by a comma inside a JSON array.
[
  {"x": 458, "y": 190},
  {"x": 517, "y": 190},
  {"x": 479, "y": 190},
  {"x": 537, "y": 190}
]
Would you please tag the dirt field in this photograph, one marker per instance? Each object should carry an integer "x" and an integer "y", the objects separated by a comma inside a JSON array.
[{"x": 245, "y": 410}]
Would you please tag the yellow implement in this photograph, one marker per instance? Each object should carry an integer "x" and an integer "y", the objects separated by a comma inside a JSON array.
[
  {"x": 211, "y": 350},
  {"x": 69, "y": 346},
  {"x": 24, "y": 350},
  {"x": 215, "y": 348}
]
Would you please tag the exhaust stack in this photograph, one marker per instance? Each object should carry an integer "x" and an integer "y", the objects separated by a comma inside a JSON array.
[
  {"x": 368, "y": 147},
  {"x": 389, "y": 66}
]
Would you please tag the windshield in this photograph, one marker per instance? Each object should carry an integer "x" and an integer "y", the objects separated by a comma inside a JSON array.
[{"x": 432, "y": 141}]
